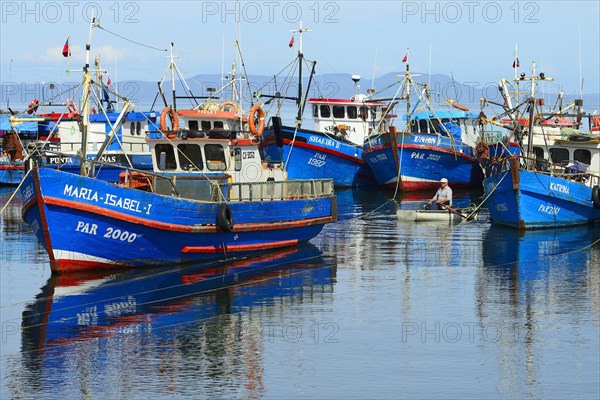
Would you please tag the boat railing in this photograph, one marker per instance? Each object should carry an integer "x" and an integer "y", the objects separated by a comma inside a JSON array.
[
  {"x": 569, "y": 170},
  {"x": 272, "y": 190}
]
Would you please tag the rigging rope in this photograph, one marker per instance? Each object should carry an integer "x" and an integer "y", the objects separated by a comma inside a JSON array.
[{"x": 130, "y": 40}]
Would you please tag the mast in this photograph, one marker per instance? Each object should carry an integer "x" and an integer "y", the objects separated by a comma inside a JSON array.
[
  {"x": 300, "y": 57},
  {"x": 531, "y": 102},
  {"x": 172, "y": 68},
  {"x": 98, "y": 79},
  {"x": 87, "y": 84},
  {"x": 407, "y": 85},
  {"x": 516, "y": 71}
]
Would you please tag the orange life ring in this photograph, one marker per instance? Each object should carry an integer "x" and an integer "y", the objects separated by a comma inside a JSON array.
[
  {"x": 72, "y": 108},
  {"x": 92, "y": 110},
  {"x": 456, "y": 105},
  {"x": 33, "y": 106},
  {"x": 595, "y": 124},
  {"x": 229, "y": 103},
  {"x": 163, "y": 121},
  {"x": 256, "y": 110}
]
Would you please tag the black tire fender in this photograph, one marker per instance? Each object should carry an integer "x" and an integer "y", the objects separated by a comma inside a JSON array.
[
  {"x": 596, "y": 196},
  {"x": 224, "y": 217}
]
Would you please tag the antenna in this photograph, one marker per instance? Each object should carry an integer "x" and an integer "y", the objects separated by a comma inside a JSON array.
[
  {"x": 300, "y": 56},
  {"x": 222, "y": 56},
  {"x": 374, "y": 64},
  {"x": 9, "y": 80},
  {"x": 454, "y": 85},
  {"x": 429, "y": 73},
  {"x": 580, "y": 73}
]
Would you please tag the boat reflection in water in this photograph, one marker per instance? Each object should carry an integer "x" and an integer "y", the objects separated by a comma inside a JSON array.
[
  {"x": 536, "y": 254},
  {"x": 532, "y": 293},
  {"x": 212, "y": 322}
]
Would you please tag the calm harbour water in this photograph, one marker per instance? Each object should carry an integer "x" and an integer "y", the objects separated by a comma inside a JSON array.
[{"x": 373, "y": 308}]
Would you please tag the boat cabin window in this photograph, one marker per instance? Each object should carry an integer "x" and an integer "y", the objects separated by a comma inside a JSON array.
[
  {"x": 218, "y": 125},
  {"x": 190, "y": 157},
  {"x": 583, "y": 156},
  {"x": 423, "y": 126},
  {"x": 538, "y": 152},
  {"x": 364, "y": 113},
  {"x": 559, "y": 155},
  {"x": 132, "y": 128},
  {"x": 165, "y": 157},
  {"x": 237, "y": 155},
  {"x": 315, "y": 110},
  {"x": 373, "y": 113},
  {"x": 414, "y": 126},
  {"x": 138, "y": 128},
  {"x": 338, "y": 112},
  {"x": 215, "y": 157},
  {"x": 193, "y": 125},
  {"x": 352, "y": 113},
  {"x": 205, "y": 125},
  {"x": 325, "y": 111},
  {"x": 540, "y": 162}
]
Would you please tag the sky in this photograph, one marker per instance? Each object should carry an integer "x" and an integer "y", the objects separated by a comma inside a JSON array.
[{"x": 473, "y": 41}]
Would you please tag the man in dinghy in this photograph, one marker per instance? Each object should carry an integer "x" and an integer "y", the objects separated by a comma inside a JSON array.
[{"x": 443, "y": 196}]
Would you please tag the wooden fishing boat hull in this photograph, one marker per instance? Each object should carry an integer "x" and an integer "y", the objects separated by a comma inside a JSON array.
[
  {"x": 85, "y": 223},
  {"x": 422, "y": 161},
  {"x": 531, "y": 200},
  {"x": 315, "y": 155}
]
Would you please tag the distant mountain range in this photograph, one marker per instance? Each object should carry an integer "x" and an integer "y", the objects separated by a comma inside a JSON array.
[{"x": 144, "y": 93}]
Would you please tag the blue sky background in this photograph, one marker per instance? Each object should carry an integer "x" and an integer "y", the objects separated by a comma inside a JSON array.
[{"x": 472, "y": 40}]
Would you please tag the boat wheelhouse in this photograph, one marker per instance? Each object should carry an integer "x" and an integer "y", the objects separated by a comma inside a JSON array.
[{"x": 352, "y": 120}]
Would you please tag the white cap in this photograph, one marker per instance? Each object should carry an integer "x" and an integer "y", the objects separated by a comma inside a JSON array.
[{"x": 443, "y": 180}]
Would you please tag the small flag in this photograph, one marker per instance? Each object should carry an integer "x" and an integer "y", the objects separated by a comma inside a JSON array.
[
  {"x": 65, "y": 51},
  {"x": 291, "y": 42},
  {"x": 516, "y": 63},
  {"x": 108, "y": 82},
  {"x": 405, "y": 59}
]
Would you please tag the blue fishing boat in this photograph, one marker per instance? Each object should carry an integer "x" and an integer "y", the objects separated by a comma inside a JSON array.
[
  {"x": 209, "y": 197},
  {"x": 182, "y": 216},
  {"x": 434, "y": 148},
  {"x": 333, "y": 149},
  {"x": 437, "y": 143},
  {"x": 75, "y": 308},
  {"x": 549, "y": 185}
]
